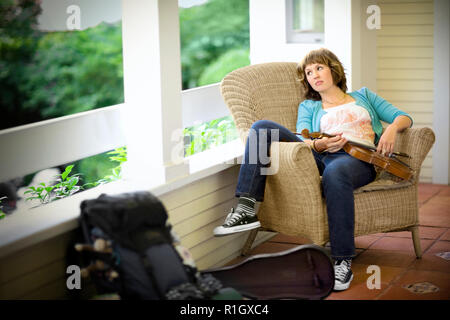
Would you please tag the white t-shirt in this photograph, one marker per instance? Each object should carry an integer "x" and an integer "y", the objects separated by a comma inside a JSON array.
[{"x": 352, "y": 120}]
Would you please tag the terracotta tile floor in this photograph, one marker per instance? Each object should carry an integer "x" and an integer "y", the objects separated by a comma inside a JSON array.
[{"x": 403, "y": 276}]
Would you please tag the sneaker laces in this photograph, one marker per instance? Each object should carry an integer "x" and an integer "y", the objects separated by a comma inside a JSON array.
[
  {"x": 232, "y": 217},
  {"x": 341, "y": 269}
]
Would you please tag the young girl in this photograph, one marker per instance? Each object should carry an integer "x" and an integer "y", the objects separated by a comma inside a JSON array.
[{"x": 328, "y": 108}]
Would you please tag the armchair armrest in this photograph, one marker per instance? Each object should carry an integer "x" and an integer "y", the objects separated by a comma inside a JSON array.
[
  {"x": 297, "y": 170},
  {"x": 416, "y": 142},
  {"x": 293, "y": 191}
]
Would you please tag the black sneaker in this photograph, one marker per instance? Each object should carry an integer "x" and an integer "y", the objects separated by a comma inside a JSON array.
[
  {"x": 237, "y": 222},
  {"x": 343, "y": 274}
]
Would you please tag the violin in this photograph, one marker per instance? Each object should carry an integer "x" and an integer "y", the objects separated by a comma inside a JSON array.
[{"x": 368, "y": 154}]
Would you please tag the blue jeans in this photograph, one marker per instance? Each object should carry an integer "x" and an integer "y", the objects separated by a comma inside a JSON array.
[{"x": 341, "y": 174}]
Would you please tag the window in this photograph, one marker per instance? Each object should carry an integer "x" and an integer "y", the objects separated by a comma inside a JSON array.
[
  {"x": 209, "y": 134},
  {"x": 64, "y": 141},
  {"x": 47, "y": 144},
  {"x": 59, "y": 182},
  {"x": 215, "y": 40},
  {"x": 59, "y": 57},
  {"x": 305, "y": 21}
]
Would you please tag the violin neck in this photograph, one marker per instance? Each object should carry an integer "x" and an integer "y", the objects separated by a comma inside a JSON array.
[{"x": 317, "y": 135}]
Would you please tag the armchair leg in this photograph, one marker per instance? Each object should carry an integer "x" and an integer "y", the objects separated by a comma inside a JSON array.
[
  {"x": 416, "y": 240},
  {"x": 248, "y": 244}
]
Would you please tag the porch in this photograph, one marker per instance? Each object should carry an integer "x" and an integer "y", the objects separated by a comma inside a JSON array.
[
  {"x": 38, "y": 271},
  {"x": 394, "y": 253},
  {"x": 33, "y": 243}
]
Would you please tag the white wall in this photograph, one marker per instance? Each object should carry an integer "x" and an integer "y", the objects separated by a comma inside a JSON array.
[{"x": 268, "y": 34}]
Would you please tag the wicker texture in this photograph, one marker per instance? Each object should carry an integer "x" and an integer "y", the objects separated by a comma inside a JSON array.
[{"x": 293, "y": 202}]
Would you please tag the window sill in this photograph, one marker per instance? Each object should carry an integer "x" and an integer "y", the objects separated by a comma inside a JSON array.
[{"x": 25, "y": 228}]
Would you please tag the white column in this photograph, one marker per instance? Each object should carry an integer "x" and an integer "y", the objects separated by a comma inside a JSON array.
[
  {"x": 152, "y": 88},
  {"x": 364, "y": 47},
  {"x": 338, "y": 34},
  {"x": 441, "y": 109}
]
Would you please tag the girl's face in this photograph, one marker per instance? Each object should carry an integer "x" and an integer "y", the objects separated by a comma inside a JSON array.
[{"x": 319, "y": 76}]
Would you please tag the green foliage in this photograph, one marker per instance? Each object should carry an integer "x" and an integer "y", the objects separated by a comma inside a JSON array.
[
  {"x": 51, "y": 74},
  {"x": 208, "y": 31},
  {"x": 42, "y": 193},
  {"x": 66, "y": 186},
  {"x": 214, "y": 41},
  {"x": 76, "y": 71},
  {"x": 18, "y": 41},
  {"x": 2, "y": 214},
  {"x": 209, "y": 134},
  {"x": 229, "y": 61},
  {"x": 95, "y": 168},
  {"x": 119, "y": 155}
]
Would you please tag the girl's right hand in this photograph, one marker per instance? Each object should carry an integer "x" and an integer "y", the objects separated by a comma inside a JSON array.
[{"x": 332, "y": 145}]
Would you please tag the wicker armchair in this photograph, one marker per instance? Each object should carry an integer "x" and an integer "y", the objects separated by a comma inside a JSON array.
[{"x": 293, "y": 202}]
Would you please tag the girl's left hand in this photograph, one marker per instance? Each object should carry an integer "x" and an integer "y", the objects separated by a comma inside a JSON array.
[{"x": 387, "y": 140}]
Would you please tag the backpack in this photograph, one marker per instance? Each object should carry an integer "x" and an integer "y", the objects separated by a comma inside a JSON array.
[{"x": 130, "y": 249}]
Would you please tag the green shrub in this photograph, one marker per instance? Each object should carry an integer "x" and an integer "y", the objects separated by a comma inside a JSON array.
[
  {"x": 18, "y": 42},
  {"x": 204, "y": 136},
  {"x": 208, "y": 31},
  {"x": 95, "y": 168},
  {"x": 2, "y": 214},
  {"x": 66, "y": 186},
  {"x": 229, "y": 61},
  {"x": 74, "y": 71}
]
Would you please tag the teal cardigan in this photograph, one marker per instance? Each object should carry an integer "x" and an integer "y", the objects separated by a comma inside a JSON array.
[{"x": 310, "y": 112}]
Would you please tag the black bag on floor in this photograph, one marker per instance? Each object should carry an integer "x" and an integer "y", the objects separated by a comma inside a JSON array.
[{"x": 130, "y": 250}]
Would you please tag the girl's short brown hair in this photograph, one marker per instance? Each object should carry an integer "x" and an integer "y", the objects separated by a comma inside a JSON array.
[{"x": 325, "y": 57}]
